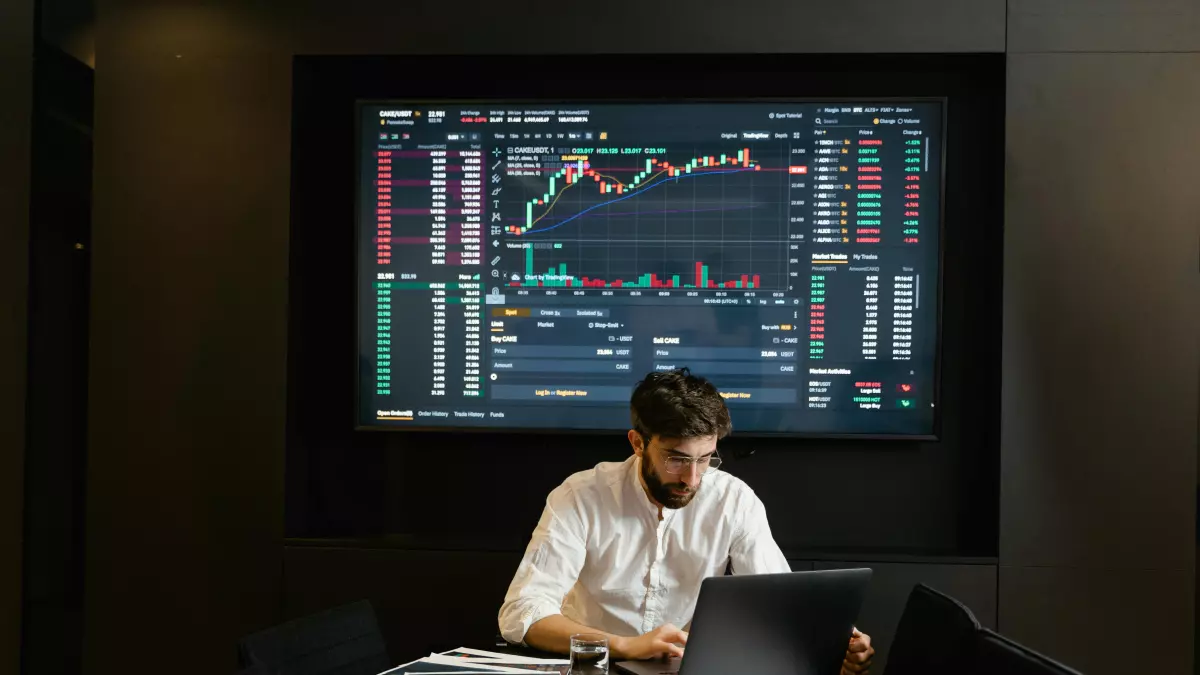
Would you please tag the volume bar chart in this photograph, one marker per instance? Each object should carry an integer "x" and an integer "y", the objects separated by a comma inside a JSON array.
[{"x": 559, "y": 277}]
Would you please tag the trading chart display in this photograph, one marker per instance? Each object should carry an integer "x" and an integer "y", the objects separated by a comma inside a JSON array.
[{"x": 522, "y": 265}]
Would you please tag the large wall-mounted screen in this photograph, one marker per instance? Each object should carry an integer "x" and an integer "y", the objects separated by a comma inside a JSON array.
[{"x": 522, "y": 265}]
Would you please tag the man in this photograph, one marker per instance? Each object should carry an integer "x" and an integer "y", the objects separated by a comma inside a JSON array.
[{"x": 622, "y": 549}]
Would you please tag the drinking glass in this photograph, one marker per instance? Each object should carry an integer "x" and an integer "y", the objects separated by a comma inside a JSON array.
[{"x": 589, "y": 654}]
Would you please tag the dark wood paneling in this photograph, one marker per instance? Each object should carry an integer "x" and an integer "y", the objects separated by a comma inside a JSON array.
[
  {"x": 188, "y": 340},
  {"x": 1101, "y": 314},
  {"x": 1100, "y": 400},
  {"x": 59, "y": 250},
  {"x": 705, "y": 26},
  {"x": 1101, "y": 621},
  {"x": 16, "y": 94},
  {"x": 1103, "y": 26},
  {"x": 424, "y": 600}
]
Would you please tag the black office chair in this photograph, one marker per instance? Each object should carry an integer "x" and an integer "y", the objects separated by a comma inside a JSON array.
[
  {"x": 998, "y": 655},
  {"x": 341, "y": 641},
  {"x": 935, "y": 636}
]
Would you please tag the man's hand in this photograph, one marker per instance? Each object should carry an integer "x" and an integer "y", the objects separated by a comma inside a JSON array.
[
  {"x": 858, "y": 654},
  {"x": 657, "y": 643}
]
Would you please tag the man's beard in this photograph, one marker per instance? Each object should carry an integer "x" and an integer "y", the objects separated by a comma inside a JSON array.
[{"x": 661, "y": 492}]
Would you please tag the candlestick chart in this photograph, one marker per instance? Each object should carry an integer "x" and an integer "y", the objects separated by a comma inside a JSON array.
[{"x": 700, "y": 218}]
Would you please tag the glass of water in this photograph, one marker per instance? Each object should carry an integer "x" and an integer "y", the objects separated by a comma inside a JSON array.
[{"x": 589, "y": 654}]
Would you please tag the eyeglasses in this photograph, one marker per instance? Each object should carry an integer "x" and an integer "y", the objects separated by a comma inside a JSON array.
[{"x": 676, "y": 465}]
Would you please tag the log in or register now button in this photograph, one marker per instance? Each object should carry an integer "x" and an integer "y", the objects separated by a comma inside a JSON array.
[{"x": 542, "y": 392}]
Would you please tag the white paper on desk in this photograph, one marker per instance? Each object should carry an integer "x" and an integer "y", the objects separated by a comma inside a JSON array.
[
  {"x": 483, "y": 664},
  {"x": 427, "y": 667},
  {"x": 505, "y": 658},
  {"x": 444, "y": 672}
]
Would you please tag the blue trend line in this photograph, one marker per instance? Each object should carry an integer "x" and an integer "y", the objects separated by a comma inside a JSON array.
[{"x": 635, "y": 194}]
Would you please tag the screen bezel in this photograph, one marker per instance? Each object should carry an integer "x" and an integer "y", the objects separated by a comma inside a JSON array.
[{"x": 361, "y": 103}]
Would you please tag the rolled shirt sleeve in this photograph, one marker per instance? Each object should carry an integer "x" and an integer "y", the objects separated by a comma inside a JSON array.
[
  {"x": 753, "y": 550},
  {"x": 549, "y": 568}
]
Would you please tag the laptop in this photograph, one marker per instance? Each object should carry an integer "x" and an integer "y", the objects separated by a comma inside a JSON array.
[{"x": 796, "y": 623}]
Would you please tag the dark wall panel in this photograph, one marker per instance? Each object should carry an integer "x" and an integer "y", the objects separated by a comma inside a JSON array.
[
  {"x": 16, "y": 105},
  {"x": 56, "y": 462},
  {"x": 806, "y": 505},
  {"x": 1099, "y": 413},
  {"x": 1101, "y": 621},
  {"x": 1100, "y": 379},
  {"x": 1101, "y": 311},
  {"x": 424, "y": 600},
  {"x": 188, "y": 339},
  {"x": 1103, "y": 26},
  {"x": 545, "y": 26}
]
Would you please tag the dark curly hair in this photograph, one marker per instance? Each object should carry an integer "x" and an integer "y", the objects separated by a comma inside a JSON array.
[{"x": 678, "y": 404}]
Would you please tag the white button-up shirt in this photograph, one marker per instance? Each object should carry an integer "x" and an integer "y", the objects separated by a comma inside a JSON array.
[{"x": 601, "y": 557}]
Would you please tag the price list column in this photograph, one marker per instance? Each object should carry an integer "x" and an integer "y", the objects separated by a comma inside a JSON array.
[
  {"x": 383, "y": 207},
  {"x": 818, "y": 395},
  {"x": 383, "y": 338},
  {"x": 816, "y": 317},
  {"x": 868, "y": 205},
  {"x": 383, "y": 257}
]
